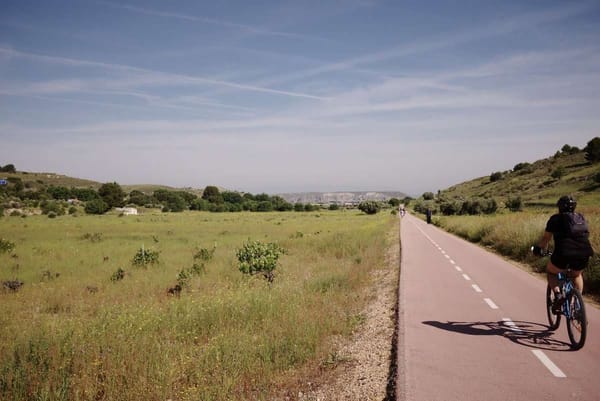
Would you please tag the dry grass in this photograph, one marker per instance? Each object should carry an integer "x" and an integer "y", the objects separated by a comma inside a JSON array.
[{"x": 73, "y": 334}]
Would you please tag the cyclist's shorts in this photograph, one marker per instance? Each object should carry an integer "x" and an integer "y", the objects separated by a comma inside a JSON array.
[{"x": 563, "y": 262}]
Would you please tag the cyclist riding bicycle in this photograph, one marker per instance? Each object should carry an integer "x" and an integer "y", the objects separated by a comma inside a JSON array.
[{"x": 572, "y": 248}]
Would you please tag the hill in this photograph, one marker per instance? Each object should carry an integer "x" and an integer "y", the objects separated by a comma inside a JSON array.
[
  {"x": 340, "y": 198},
  {"x": 537, "y": 184},
  {"x": 36, "y": 181}
]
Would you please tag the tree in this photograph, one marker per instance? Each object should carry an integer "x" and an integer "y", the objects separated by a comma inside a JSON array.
[
  {"x": 212, "y": 194},
  {"x": 232, "y": 197},
  {"x": 514, "y": 204},
  {"x": 112, "y": 194},
  {"x": 298, "y": 207},
  {"x": 369, "y": 207},
  {"x": 428, "y": 196},
  {"x": 394, "y": 202},
  {"x": 59, "y": 192},
  {"x": 570, "y": 150},
  {"x": 96, "y": 206},
  {"x": 558, "y": 173},
  {"x": 592, "y": 150},
  {"x": 139, "y": 198},
  {"x": 256, "y": 257},
  {"x": 264, "y": 206},
  {"x": 496, "y": 176},
  {"x": 9, "y": 168}
]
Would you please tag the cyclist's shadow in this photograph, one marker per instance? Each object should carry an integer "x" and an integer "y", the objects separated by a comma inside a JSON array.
[{"x": 529, "y": 334}]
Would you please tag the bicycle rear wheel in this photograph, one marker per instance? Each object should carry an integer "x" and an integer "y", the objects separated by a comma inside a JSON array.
[
  {"x": 577, "y": 320},
  {"x": 553, "y": 320}
]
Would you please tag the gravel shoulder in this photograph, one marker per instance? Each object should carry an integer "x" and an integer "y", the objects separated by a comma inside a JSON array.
[{"x": 362, "y": 363}]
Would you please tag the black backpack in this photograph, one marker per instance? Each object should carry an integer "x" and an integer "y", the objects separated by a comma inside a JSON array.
[
  {"x": 576, "y": 226},
  {"x": 575, "y": 236}
]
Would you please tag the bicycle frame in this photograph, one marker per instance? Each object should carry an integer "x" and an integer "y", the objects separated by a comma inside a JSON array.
[{"x": 566, "y": 286}]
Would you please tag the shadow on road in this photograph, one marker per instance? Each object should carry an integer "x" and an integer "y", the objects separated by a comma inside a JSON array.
[{"x": 529, "y": 334}]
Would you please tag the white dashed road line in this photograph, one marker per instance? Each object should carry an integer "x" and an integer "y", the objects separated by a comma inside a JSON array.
[
  {"x": 551, "y": 366},
  {"x": 490, "y": 303},
  {"x": 555, "y": 370}
]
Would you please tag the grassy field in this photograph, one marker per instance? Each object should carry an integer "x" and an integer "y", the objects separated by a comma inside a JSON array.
[
  {"x": 72, "y": 333},
  {"x": 513, "y": 234}
]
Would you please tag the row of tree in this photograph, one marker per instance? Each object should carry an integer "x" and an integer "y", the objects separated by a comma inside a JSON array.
[{"x": 57, "y": 200}]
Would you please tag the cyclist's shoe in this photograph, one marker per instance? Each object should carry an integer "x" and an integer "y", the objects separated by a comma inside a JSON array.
[{"x": 559, "y": 299}]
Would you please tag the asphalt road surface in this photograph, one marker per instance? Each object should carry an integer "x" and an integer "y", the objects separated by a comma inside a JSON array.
[{"x": 472, "y": 326}]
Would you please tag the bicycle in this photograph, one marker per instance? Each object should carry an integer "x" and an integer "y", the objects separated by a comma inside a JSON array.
[{"x": 572, "y": 308}]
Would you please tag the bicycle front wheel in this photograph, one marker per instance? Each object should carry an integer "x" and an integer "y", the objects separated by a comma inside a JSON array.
[
  {"x": 576, "y": 319},
  {"x": 553, "y": 320}
]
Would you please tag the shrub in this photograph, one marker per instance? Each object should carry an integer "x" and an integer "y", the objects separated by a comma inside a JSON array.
[
  {"x": 558, "y": 173},
  {"x": 6, "y": 246},
  {"x": 592, "y": 150},
  {"x": 514, "y": 204},
  {"x": 334, "y": 206},
  {"x": 428, "y": 196},
  {"x": 204, "y": 254},
  {"x": 51, "y": 215},
  {"x": 52, "y": 206},
  {"x": 369, "y": 207},
  {"x": 256, "y": 257},
  {"x": 118, "y": 275},
  {"x": 144, "y": 257},
  {"x": 96, "y": 206},
  {"x": 449, "y": 208},
  {"x": 497, "y": 176},
  {"x": 112, "y": 194}
]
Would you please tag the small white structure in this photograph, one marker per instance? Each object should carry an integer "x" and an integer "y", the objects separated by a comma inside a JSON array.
[{"x": 127, "y": 211}]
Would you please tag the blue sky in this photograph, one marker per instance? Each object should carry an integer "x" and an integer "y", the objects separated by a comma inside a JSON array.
[{"x": 286, "y": 96}]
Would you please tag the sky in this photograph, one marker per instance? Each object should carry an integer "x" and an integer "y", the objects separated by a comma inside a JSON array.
[{"x": 295, "y": 96}]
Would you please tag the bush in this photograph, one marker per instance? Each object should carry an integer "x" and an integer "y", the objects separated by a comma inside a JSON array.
[
  {"x": 592, "y": 150},
  {"x": 334, "y": 206},
  {"x": 118, "y": 275},
  {"x": 144, "y": 257},
  {"x": 96, "y": 206},
  {"x": 428, "y": 196},
  {"x": 51, "y": 215},
  {"x": 558, "y": 173},
  {"x": 369, "y": 207},
  {"x": 497, "y": 176},
  {"x": 6, "y": 246},
  {"x": 514, "y": 204},
  {"x": 52, "y": 206},
  {"x": 256, "y": 257},
  {"x": 112, "y": 194},
  {"x": 449, "y": 208}
]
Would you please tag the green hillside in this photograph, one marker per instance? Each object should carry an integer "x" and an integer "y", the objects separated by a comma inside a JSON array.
[{"x": 539, "y": 183}]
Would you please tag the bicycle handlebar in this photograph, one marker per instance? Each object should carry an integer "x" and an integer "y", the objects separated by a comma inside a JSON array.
[{"x": 537, "y": 251}]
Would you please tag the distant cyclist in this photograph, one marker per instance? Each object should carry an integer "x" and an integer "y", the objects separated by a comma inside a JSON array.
[{"x": 572, "y": 248}]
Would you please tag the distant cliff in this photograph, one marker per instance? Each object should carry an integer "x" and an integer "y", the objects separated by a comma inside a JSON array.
[{"x": 340, "y": 198}]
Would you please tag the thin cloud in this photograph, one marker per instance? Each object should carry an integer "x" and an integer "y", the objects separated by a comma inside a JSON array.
[
  {"x": 160, "y": 75},
  {"x": 495, "y": 28},
  {"x": 211, "y": 21}
]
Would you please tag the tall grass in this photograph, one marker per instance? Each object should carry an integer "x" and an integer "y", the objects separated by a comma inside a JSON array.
[
  {"x": 73, "y": 334},
  {"x": 513, "y": 234}
]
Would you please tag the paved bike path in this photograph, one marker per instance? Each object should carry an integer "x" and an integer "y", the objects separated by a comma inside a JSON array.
[{"x": 473, "y": 327}]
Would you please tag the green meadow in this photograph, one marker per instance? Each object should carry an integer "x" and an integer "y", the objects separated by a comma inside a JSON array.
[{"x": 77, "y": 330}]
